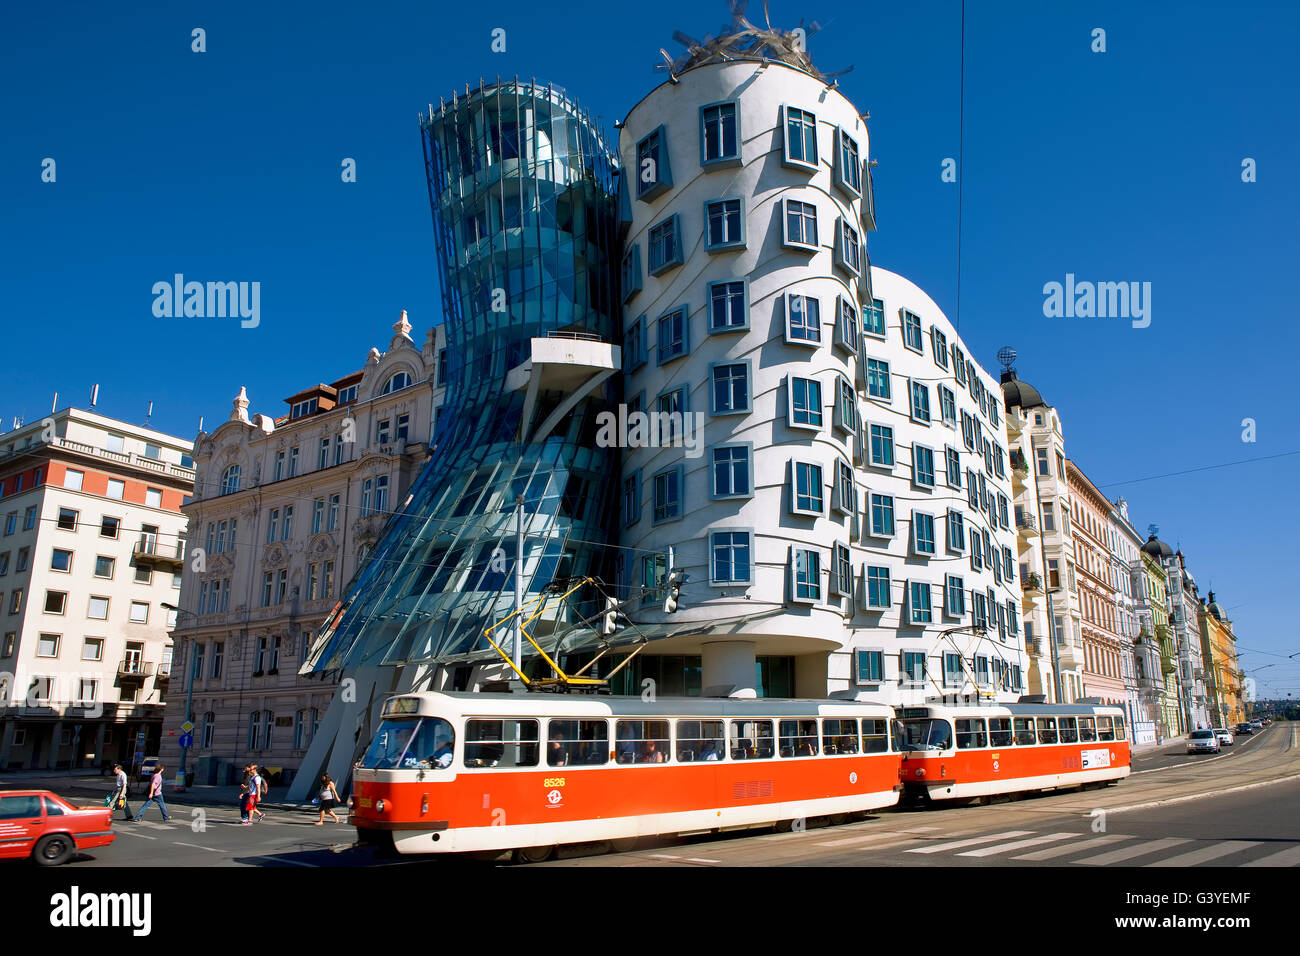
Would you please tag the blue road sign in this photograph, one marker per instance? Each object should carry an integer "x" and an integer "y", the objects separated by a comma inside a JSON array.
[{"x": 186, "y": 741}]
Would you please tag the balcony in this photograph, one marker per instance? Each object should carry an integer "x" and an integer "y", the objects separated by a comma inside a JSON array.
[
  {"x": 1032, "y": 583},
  {"x": 1026, "y": 522},
  {"x": 148, "y": 552},
  {"x": 134, "y": 669}
]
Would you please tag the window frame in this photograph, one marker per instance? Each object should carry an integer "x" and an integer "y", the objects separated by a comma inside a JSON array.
[
  {"x": 842, "y": 165},
  {"x": 663, "y": 180},
  {"x": 744, "y": 306},
  {"x": 723, "y": 160},
  {"x": 787, "y": 159},
  {"x": 685, "y": 343},
  {"x": 674, "y": 224},
  {"x": 749, "y": 470},
  {"x": 680, "y": 472},
  {"x": 803, "y": 242},
  {"x": 714, "y": 581},
  {"x": 795, "y": 508},
  {"x": 726, "y": 245}
]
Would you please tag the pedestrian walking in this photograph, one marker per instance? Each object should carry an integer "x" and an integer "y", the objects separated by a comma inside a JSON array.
[
  {"x": 257, "y": 790},
  {"x": 329, "y": 799},
  {"x": 155, "y": 796},
  {"x": 243, "y": 806},
  {"x": 119, "y": 792}
]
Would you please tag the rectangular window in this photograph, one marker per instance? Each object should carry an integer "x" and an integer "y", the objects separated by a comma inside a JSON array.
[
  {"x": 922, "y": 533},
  {"x": 914, "y": 667},
  {"x": 323, "y": 454},
  {"x": 731, "y": 472},
  {"x": 727, "y": 309},
  {"x": 632, "y": 498},
  {"x": 848, "y": 247},
  {"x": 953, "y": 461},
  {"x": 654, "y": 176},
  {"x": 948, "y": 406},
  {"x": 67, "y": 519},
  {"x": 61, "y": 560},
  {"x": 803, "y": 319},
  {"x": 730, "y": 388},
  {"x": 882, "y": 515},
  {"x": 800, "y": 224},
  {"x": 845, "y": 499},
  {"x": 956, "y": 532},
  {"x": 878, "y": 588},
  {"x": 1049, "y": 517},
  {"x": 724, "y": 225},
  {"x": 923, "y": 466},
  {"x": 317, "y": 515},
  {"x": 871, "y": 666},
  {"x": 634, "y": 345},
  {"x": 954, "y": 596},
  {"x": 97, "y": 609},
  {"x": 805, "y": 403},
  {"x": 631, "y": 275},
  {"x": 911, "y": 331},
  {"x": 972, "y": 489},
  {"x": 846, "y": 409},
  {"x": 654, "y": 571},
  {"x": 73, "y": 479},
  {"x": 668, "y": 495},
  {"x": 807, "y": 575},
  {"x": 719, "y": 134},
  {"x": 672, "y": 335},
  {"x": 730, "y": 561},
  {"x": 333, "y": 521},
  {"x": 878, "y": 379},
  {"x": 848, "y": 171},
  {"x": 939, "y": 347},
  {"x": 846, "y": 325},
  {"x": 807, "y": 491},
  {"x": 873, "y": 319},
  {"x": 800, "y": 137},
  {"x": 953, "y": 675},
  {"x": 47, "y": 645},
  {"x": 920, "y": 401},
  {"x": 286, "y": 526},
  {"x": 670, "y": 415},
  {"x": 499, "y": 743},
  {"x": 1044, "y": 469},
  {"x": 665, "y": 245},
  {"x": 92, "y": 649},
  {"x": 882, "y": 446}
]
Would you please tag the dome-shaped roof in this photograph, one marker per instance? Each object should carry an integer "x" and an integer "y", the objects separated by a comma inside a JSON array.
[
  {"x": 1157, "y": 548},
  {"x": 1212, "y": 606},
  {"x": 1018, "y": 393}
]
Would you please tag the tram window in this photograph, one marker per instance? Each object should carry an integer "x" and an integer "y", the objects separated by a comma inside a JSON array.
[
  {"x": 1105, "y": 731},
  {"x": 1000, "y": 732},
  {"x": 641, "y": 741},
  {"x": 1087, "y": 729},
  {"x": 798, "y": 738},
  {"x": 1025, "y": 732},
  {"x": 1069, "y": 730},
  {"x": 971, "y": 733},
  {"x": 751, "y": 739},
  {"x": 577, "y": 742},
  {"x": 701, "y": 740},
  {"x": 1047, "y": 730},
  {"x": 839, "y": 736},
  {"x": 922, "y": 733},
  {"x": 875, "y": 735},
  {"x": 500, "y": 743},
  {"x": 1119, "y": 728},
  {"x": 411, "y": 744},
  {"x": 898, "y": 735}
]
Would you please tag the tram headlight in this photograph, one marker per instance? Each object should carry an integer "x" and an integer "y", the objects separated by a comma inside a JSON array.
[
  {"x": 350, "y": 803},
  {"x": 380, "y": 805}
]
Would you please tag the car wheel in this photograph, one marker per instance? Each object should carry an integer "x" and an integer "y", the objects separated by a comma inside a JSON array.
[
  {"x": 53, "y": 849},
  {"x": 533, "y": 854}
]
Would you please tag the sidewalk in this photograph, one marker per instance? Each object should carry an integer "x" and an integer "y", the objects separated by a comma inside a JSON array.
[{"x": 90, "y": 788}]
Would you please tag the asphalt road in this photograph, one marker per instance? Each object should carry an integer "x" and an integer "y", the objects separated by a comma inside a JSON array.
[{"x": 1174, "y": 810}]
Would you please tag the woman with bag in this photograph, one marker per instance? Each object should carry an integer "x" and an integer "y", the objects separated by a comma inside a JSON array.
[{"x": 329, "y": 799}]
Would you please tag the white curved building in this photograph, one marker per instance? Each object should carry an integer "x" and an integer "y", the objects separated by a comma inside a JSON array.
[{"x": 845, "y": 499}]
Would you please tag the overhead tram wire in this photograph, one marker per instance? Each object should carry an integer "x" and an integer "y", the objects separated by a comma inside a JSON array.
[{"x": 961, "y": 156}]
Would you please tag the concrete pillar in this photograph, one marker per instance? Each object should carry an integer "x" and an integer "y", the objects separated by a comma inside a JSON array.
[{"x": 728, "y": 668}]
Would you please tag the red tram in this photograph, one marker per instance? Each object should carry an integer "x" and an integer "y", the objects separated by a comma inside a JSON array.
[
  {"x": 957, "y": 752},
  {"x": 476, "y": 772}
]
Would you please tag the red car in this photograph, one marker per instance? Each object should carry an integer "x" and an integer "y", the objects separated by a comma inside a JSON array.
[{"x": 47, "y": 828}]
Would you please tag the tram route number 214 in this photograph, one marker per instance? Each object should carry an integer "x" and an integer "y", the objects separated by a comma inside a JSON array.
[{"x": 553, "y": 782}]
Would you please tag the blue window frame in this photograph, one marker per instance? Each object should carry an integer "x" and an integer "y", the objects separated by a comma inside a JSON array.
[
  {"x": 911, "y": 331},
  {"x": 959, "y": 366},
  {"x": 807, "y": 488},
  {"x": 920, "y": 393},
  {"x": 631, "y": 272},
  {"x": 673, "y": 405},
  {"x": 724, "y": 225},
  {"x": 728, "y": 306},
  {"x": 805, "y": 403},
  {"x": 871, "y": 666},
  {"x": 732, "y": 475},
  {"x": 948, "y": 406},
  {"x": 846, "y": 325},
  {"x": 939, "y": 346},
  {"x": 919, "y": 607},
  {"x": 914, "y": 667},
  {"x": 668, "y": 495},
  {"x": 841, "y": 581},
  {"x": 634, "y": 345},
  {"x": 878, "y": 379},
  {"x": 672, "y": 338},
  {"x": 922, "y": 533},
  {"x": 845, "y": 498},
  {"x": 730, "y": 391},
  {"x": 803, "y": 319},
  {"x": 882, "y": 446},
  {"x": 799, "y": 224},
  {"x": 800, "y": 138},
  {"x": 953, "y": 461},
  {"x": 731, "y": 557},
  {"x": 878, "y": 587},
  {"x": 846, "y": 406},
  {"x": 956, "y": 531},
  {"x": 720, "y": 134},
  {"x": 848, "y": 248},
  {"x": 653, "y": 172},
  {"x": 632, "y": 498},
  {"x": 873, "y": 319},
  {"x": 848, "y": 165},
  {"x": 807, "y": 573},
  {"x": 882, "y": 515},
  {"x": 665, "y": 245},
  {"x": 923, "y": 466},
  {"x": 954, "y": 604}
]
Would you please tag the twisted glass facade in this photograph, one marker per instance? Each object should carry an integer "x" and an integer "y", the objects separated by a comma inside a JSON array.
[{"x": 523, "y": 191}]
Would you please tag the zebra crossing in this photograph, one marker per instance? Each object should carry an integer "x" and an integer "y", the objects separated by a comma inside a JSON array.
[{"x": 1072, "y": 848}]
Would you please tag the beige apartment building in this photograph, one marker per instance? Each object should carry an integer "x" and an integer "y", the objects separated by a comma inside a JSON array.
[
  {"x": 286, "y": 509},
  {"x": 91, "y": 542},
  {"x": 1097, "y": 589}
]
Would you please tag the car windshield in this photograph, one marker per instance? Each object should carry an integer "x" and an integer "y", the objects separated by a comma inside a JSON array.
[
  {"x": 1202, "y": 734},
  {"x": 413, "y": 744},
  {"x": 926, "y": 734}
]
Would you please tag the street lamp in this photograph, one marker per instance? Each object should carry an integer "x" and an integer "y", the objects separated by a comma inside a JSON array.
[{"x": 190, "y": 660}]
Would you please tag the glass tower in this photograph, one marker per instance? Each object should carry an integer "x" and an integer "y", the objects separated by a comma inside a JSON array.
[{"x": 523, "y": 191}]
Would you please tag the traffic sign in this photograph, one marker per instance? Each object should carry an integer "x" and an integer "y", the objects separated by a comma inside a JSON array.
[
  {"x": 187, "y": 727},
  {"x": 186, "y": 741}
]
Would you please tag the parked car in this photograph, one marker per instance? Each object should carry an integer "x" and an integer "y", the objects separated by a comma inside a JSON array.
[
  {"x": 148, "y": 768},
  {"x": 47, "y": 828},
  {"x": 1224, "y": 735},
  {"x": 1245, "y": 730},
  {"x": 1202, "y": 742}
]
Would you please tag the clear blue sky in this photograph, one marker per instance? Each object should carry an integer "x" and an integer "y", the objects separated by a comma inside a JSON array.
[{"x": 1123, "y": 165}]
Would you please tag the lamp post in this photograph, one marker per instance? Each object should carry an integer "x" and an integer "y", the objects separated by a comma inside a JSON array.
[{"x": 190, "y": 659}]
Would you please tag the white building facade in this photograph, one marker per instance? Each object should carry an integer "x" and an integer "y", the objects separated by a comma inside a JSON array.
[
  {"x": 1125, "y": 545},
  {"x": 840, "y": 497}
]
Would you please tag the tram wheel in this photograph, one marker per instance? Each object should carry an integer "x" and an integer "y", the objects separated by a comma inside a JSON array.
[
  {"x": 533, "y": 854},
  {"x": 624, "y": 845},
  {"x": 839, "y": 819}
]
